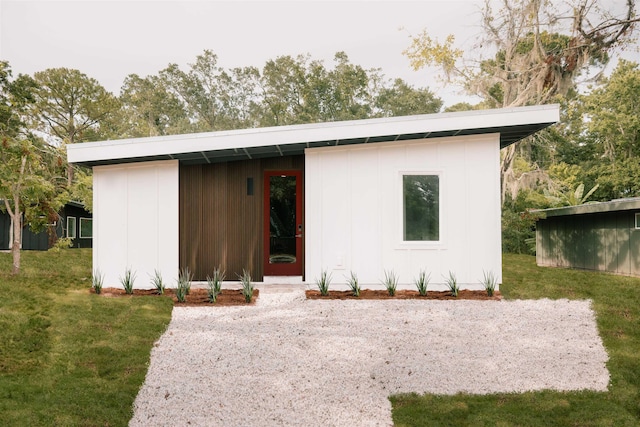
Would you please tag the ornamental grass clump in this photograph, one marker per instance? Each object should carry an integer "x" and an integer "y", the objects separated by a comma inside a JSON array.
[
  {"x": 184, "y": 284},
  {"x": 390, "y": 282},
  {"x": 128, "y": 280},
  {"x": 247, "y": 286},
  {"x": 214, "y": 285},
  {"x": 421, "y": 282},
  {"x": 452, "y": 283},
  {"x": 97, "y": 280},
  {"x": 323, "y": 283},
  {"x": 352, "y": 281},
  {"x": 489, "y": 281},
  {"x": 157, "y": 282}
]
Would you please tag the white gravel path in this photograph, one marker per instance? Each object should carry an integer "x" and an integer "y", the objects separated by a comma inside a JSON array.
[{"x": 288, "y": 361}]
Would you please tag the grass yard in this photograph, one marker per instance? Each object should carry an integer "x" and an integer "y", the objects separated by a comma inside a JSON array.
[
  {"x": 74, "y": 359},
  {"x": 616, "y": 301},
  {"x": 68, "y": 358}
]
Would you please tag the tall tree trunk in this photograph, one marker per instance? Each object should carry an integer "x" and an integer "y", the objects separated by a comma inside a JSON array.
[
  {"x": 16, "y": 232},
  {"x": 506, "y": 170},
  {"x": 17, "y": 238}
]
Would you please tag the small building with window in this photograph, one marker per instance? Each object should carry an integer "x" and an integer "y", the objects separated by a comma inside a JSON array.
[
  {"x": 365, "y": 196},
  {"x": 73, "y": 221},
  {"x": 601, "y": 236}
]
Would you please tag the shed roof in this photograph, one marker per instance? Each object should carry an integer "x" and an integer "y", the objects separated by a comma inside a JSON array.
[
  {"x": 597, "y": 207},
  {"x": 512, "y": 124}
]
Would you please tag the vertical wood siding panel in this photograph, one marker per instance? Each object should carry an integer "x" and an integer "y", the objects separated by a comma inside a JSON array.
[
  {"x": 220, "y": 224},
  {"x": 190, "y": 215}
]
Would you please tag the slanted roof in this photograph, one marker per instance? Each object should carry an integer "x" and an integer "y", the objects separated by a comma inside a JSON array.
[
  {"x": 513, "y": 124},
  {"x": 591, "y": 208}
]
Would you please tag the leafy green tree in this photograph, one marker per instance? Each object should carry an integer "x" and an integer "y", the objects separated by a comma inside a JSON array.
[
  {"x": 283, "y": 86},
  {"x": 150, "y": 109},
  {"x": 402, "y": 99},
  {"x": 614, "y": 113},
  {"x": 28, "y": 165},
  {"x": 70, "y": 107}
]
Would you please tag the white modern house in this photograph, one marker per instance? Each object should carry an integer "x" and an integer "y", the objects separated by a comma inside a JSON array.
[{"x": 404, "y": 194}]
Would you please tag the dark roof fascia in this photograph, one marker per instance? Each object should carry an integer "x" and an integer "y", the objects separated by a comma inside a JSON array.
[{"x": 593, "y": 208}]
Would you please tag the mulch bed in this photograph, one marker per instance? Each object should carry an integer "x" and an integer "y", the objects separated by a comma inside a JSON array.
[
  {"x": 405, "y": 294},
  {"x": 232, "y": 297},
  {"x": 196, "y": 297}
]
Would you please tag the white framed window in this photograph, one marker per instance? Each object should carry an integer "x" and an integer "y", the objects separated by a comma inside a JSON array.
[
  {"x": 86, "y": 228},
  {"x": 421, "y": 207},
  {"x": 71, "y": 227},
  {"x": 638, "y": 221}
]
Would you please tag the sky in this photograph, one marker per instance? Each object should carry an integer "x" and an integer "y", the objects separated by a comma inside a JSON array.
[{"x": 109, "y": 39}]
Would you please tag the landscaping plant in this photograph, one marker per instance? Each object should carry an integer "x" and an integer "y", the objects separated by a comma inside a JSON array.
[
  {"x": 157, "y": 282},
  {"x": 353, "y": 284},
  {"x": 323, "y": 283},
  {"x": 489, "y": 282},
  {"x": 97, "y": 280},
  {"x": 452, "y": 283},
  {"x": 247, "y": 286},
  {"x": 127, "y": 281},
  {"x": 184, "y": 284},
  {"x": 421, "y": 282},
  {"x": 390, "y": 282},
  {"x": 214, "y": 284}
]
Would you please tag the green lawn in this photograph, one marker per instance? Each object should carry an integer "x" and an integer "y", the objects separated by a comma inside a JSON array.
[
  {"x": 74, "y": 359},
  {"x": 616, "y": 301},
  {"x": 68, "y": 358}
]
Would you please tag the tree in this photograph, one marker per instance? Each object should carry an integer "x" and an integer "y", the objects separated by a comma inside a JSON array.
[
  {"x": 283, "y": 83},
  {"x": 150, "y": 109},
  {"x": 539, "y": 51},
  {"x": 70, "y": 107},
  {"x": 613, "y": 114},
  {"x": 27, "y": 186},
  {"x": 402, "y": 99}
]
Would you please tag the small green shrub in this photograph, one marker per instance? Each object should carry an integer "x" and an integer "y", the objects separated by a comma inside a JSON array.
[
  {"x": 214, "y": 284},
  {"x": 128, "y": 280},
  {"x": 247, "y": 286},
  {"x": 352, "y": 281},
  {"x": 184, "y": 284},
  {"x": 97, "y": 280},
  {"x": 489, "y": 282},
  {"x": 452, "y": 283},
  {"x": 390, "y": 282},
  {"x": 62, "y": 243},
  {"x": 157, "y": 282},
  {"x": 421, "y": 282},
  {"x": 324, "y": 282}
]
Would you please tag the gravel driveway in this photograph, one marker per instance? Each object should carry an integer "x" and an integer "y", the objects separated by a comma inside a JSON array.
[{"x": 291, "y": 361}]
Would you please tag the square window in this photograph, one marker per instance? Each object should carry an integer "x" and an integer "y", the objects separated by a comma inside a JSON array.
[
  {"x": 638, "y": 220},
  {"x": 86, "y": 228},
  {"x": 71, "y": 227},
  {"x": 421, "y": 208}
]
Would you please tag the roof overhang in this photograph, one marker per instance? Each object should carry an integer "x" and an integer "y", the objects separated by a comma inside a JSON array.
[
  {"x": 593, "y": 208},
  {"x": 513, "y": 124}
]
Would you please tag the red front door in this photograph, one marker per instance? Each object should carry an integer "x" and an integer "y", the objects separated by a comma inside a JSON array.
[{"x": 283, "y": 224}]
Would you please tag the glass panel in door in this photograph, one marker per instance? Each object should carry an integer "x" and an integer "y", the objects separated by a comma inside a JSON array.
[{"x": 283, "y": 223}]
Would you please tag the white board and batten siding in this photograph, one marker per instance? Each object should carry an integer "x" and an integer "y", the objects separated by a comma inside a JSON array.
[
  {"x": 354, "y": 211},
  {"x": 135, "y": 211}
]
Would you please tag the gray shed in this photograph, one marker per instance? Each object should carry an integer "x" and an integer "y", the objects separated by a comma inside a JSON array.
[{"x": 601, "y": 236}]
